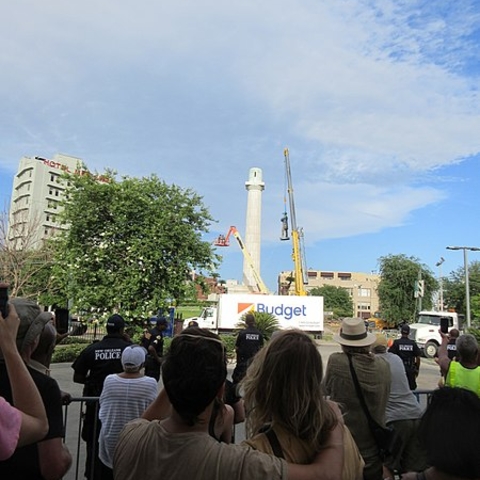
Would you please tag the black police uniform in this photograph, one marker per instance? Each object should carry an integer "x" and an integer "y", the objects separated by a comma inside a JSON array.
[
  {"x": 154, "y": 338},
  {"x": 249, "y": 342},
  {"x": 452, "y": 348},
  {"x": 95, "y": 363},
  {"x": 407, "y": 349}
]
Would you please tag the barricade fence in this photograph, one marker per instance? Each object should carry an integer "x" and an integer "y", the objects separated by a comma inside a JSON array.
[{"x": 73, "y": 424}]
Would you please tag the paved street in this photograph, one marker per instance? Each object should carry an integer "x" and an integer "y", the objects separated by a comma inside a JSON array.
[{"x": 63, "y": 373}]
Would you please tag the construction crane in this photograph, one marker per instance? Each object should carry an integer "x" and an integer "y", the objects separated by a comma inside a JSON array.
[
  {"x": 224, "y": 241},
  {"x": 298, "y": 254}
]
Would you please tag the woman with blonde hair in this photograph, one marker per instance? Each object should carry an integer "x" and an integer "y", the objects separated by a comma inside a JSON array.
[{"x": 287, "y": 413}]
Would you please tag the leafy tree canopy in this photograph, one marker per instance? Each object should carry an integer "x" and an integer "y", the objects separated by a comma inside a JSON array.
[
  {"x": 131, "y": 244},
  {"x": 336, "y": 299},
  {"x": 454, "y": 289},
  {"x": 396, "y": 289}
]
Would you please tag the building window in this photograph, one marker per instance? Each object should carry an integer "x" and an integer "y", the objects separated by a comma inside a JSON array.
[
  {"x": 364, "y": 292},
  {"x": 363, "y": 306},
  {"x": 344, "y": 276},
  {"x": 327, "y": 275},
  {"x": 312, "y": 274}
]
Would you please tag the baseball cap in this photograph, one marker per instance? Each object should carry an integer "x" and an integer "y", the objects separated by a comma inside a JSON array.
[
  {"x": 32, "y": 321},
  {"x": 162, "y": 321},
  {"x": 133, "y": 356},
  {"x": 405, "y": 329},
  {"x": 116, "y": 322},
  {"x": 380, "y": 341}
]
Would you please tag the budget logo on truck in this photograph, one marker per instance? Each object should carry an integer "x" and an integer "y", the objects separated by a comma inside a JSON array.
[
  {"x": 283, "y": 310},
  {"x": 305, "y": 313},
  {"x": 278, "y": 310}
]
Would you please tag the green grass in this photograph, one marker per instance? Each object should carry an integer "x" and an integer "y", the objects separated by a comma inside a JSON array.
[{"x": 188, "y": 312}]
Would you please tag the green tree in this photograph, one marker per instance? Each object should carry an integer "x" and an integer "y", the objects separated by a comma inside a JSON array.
[
  {"x": 396, "y": 289},
  {"x": 336, "y": 299},
  {"x": 131, "y": 244},
  {"x": 454, "y": 288},
  {"x": 25, "y": 261}
]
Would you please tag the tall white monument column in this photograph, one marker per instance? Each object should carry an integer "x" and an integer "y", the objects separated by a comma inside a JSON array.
[{"x": 252, "y": 238}]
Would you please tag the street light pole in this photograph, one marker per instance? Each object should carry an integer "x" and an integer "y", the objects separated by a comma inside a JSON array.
[
  {"x": 467, "y": 285},
  {"x": 440, "y": 278}
]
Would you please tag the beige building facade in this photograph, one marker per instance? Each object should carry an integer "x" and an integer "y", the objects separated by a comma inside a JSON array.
[
  {"x": 362, "y": 287},
  {"x": 37, "y": 192}
]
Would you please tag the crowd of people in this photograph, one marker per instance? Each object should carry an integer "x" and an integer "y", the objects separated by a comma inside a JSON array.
[{"x": 300, "y": 422}]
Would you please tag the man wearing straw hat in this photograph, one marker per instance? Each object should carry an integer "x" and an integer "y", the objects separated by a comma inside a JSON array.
[{"x": 373, "y": 375}]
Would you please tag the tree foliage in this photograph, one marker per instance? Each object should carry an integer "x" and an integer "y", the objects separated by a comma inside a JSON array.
[
  {"x": 454, "y": 289},
  {"x": 25, "y": 261},
  {"x": 396, "y": 289},
  {"x": 131, "y": 244},
  {"x": 336, "y": 299}
]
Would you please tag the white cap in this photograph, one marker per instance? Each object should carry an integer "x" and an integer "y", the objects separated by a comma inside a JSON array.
[{"x": 134, "y": 356}]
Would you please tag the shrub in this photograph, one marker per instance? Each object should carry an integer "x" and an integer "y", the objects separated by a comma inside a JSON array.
[
  {"x": 267, "y": 323},
  {"x": 229, "y": 341},
  {"x": 67, "y": 353}
]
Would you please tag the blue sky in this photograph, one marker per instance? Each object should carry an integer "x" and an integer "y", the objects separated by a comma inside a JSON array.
[{"x": 377, "y": 102}]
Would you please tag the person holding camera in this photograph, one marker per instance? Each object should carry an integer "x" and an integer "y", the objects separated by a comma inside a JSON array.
[
  {"x": 48, "y": 457},
  {"x": 26, "y": 422},
  {"x": 465, "y": 372}
]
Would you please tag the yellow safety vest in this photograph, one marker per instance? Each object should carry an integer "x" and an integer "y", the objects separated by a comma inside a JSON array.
[{"x": 459, "y": 376}]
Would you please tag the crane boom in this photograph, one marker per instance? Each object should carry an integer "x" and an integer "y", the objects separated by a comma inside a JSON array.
[
  {"x": 298, "y": 253},
  {"x": 224, "y": 241}
]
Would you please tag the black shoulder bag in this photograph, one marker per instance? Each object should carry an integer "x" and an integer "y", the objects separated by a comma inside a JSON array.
[{"x": 386, "y": 438}]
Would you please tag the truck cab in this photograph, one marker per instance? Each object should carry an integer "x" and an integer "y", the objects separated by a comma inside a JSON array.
[
  {"x": 425, "y": 330},
  {"x": 207, "y": 318}
]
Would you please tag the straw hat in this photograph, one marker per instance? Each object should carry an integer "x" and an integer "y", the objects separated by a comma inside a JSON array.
[{"x": 353, "y": 333}]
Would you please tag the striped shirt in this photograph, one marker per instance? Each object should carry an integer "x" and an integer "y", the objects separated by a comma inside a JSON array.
[{"x": 122, "y": 400}]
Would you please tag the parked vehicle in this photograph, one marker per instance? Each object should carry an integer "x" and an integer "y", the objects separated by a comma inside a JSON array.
[
  {"x": 305, "y": 313},
  {"x": 425, "y": 330}
]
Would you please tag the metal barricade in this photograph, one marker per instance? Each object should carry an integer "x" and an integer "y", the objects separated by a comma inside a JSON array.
[{"x": 73, "y": 423}]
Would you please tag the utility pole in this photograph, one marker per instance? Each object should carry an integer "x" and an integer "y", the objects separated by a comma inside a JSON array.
[
  {"x": 440, "y": 281},
  {"x": 467, "y": 285},
  {"x": 419, "y": 290}
]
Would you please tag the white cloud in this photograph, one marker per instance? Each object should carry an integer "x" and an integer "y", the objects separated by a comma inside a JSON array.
[{"x": 371, "y": 97}]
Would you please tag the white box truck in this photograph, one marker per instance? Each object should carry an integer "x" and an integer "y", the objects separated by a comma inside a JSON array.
[{"x": 302, "y": 312}]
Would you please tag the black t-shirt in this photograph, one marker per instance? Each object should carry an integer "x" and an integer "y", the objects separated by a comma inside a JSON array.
[
  {"x": 99, "y": 360},
  {"x": 24, "y": 463},
  {"x": 407, "y": 349},
  {"x": 154, "y": 337},
  {"x": 249, "y": 342}
]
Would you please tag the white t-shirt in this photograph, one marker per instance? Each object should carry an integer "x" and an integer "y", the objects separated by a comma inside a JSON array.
[{"x": 122, "y": 400}]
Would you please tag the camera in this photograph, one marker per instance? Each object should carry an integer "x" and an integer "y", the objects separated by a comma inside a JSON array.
[
  {"x": 4, "y": 300},
  {"x": 444, "y": 324}
]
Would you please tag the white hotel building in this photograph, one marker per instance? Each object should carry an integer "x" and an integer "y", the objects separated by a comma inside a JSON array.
[{"x": 36, "y": 194}]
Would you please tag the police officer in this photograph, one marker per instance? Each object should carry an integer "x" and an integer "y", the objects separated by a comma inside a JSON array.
[
  {"x": 91, "y": 368},
  {"x": 407, "y": 349},
  {"x": 249, "y": 342},
  {"x": 152, "y": 341}
]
